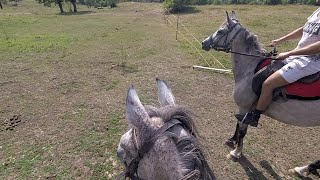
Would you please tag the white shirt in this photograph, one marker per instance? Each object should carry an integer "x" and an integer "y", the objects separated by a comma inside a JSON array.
[{"x": 310, "y": 35}]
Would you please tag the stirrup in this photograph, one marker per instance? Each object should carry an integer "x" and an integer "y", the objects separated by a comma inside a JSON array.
[{"x": 242, "y": 117}]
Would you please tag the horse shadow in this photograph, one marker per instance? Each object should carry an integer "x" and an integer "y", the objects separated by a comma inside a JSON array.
[{"x": 254, "y": 174}]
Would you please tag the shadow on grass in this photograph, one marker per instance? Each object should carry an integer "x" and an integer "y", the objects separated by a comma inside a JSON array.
[
  {"x": 187, "y": 10},
  {"x": 252, "y": 172},
  {"x": 76, "y": 13},
  {"x": 265, "y": 164}
]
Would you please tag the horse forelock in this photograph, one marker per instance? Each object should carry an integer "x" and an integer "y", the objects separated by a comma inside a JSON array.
[{"x": 180, "y": 113}]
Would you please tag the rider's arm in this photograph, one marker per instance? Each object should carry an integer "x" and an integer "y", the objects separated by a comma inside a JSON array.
[
  {"x": 308, "y": 50},
  {"x": 293, "y": 35}
]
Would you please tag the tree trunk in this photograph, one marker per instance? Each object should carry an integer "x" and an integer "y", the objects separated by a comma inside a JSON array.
[
  {"x": 74, "y": 4},
  {"x": 59, "y": 2},
  {"x": 1, "y": 5}
]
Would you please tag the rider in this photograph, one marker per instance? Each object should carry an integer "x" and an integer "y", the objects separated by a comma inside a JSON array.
[{"x": 302, "y": 61}]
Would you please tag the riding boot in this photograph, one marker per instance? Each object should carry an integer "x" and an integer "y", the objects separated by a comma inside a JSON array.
[{"x": 250, "y": 118}]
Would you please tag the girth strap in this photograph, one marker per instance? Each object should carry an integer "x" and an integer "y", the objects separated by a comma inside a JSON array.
[{"x": 131, "y": 170}]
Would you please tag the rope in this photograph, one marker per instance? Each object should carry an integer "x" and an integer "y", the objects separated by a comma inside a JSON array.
[
  {"x": 193, "y": 38},
  {"x": 171, "y": 24}
]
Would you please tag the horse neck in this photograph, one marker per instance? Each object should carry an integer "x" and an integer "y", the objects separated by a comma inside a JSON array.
[
  {"x": 162, "y": 162},
  {"x": 243, "y": 66}
]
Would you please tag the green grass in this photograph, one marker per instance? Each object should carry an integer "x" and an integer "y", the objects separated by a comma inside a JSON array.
[{"x": 67, "y": 76}]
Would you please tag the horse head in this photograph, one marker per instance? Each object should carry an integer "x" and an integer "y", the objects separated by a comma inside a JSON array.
[
  {"x": 221, "y": 40},
  {"x": 162, "y": 143}
]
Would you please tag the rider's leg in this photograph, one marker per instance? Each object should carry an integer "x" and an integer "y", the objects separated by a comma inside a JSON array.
[{"x": 274, "y": 81}]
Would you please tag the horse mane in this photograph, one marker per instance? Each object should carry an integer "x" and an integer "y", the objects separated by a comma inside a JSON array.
[
  {"x": 189, "y": 147},
  {"x": 252, "y": 40}
]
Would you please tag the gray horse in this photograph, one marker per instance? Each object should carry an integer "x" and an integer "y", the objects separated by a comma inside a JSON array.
[
  {"x": 162, "y": 143},
  {"x": 232, "y": 36}
]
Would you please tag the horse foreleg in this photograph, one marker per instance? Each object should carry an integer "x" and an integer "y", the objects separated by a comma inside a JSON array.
[
  {"x": 234, "y": 139},
  {"x": 237, "y": 152},
  {"x": 306, "y": 170}
]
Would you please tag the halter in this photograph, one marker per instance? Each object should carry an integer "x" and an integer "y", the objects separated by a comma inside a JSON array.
[
  {"x": 131, "y": 171},
  {"x": 226, "y": 46}
]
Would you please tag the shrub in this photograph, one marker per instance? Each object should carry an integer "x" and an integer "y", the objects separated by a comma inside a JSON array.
[
  {"x": 217, "y": 2},
  {"x": 174, "y": 5},
  {"x": 311, "y": 2},
  {"x": 273, "y": 2}
]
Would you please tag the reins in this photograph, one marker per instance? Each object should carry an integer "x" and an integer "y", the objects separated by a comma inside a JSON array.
[
  {"x": 225, "y": 47},
  {"x": 265, "y": 55}
]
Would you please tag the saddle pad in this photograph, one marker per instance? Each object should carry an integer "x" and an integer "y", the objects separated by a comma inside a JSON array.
[{"x": 298, "y": 90}]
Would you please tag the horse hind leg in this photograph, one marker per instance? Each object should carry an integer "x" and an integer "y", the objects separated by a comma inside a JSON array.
[{"x": 306, "y": 170}]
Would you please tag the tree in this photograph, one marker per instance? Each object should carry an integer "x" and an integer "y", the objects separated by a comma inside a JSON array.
[
  {"x": 59, "y": 3},
  {"x": 99, "y": 3},
  {"x": 1, "y": 5},
  {"x": 74, "y": 4},
  {"x": 49, "y": 2},
  {"x": 175, "y": 5}
]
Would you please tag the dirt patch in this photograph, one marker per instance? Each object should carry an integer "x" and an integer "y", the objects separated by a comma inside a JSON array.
[
  {"x": 75, "y": 104},
  {"x": 13, "y": 122}
]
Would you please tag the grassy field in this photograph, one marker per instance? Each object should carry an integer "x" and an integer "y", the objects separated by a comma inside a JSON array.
[{"x": 66, "y": 77}]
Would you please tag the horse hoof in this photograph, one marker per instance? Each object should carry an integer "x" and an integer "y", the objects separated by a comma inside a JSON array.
[
  {"x": 299, "y": 172},
  {"x": 293, "y": 172},
  {"x": 233, "y": 158}
]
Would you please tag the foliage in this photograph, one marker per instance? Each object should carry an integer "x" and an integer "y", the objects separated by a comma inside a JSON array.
[
  {"x": 49, "y": 2},
  {"x": 59, "y": 3},
  {"x": 99, "y": 3},
  {"x": 273, "y": 2},
  {"x": 311, "y": 2},
  {"x": 175, "y": 5},
  {"x": 15, "y": 2},
  {"x": 46, "y": 2},
  {"x": 253, "y": 2}
]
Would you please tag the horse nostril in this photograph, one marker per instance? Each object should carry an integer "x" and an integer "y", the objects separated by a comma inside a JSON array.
[{"x": 202, "y": 43}]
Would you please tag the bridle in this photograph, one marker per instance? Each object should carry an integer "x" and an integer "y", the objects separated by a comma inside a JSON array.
[
  {"x": 226, "y": 46},
  {"x": 131, "y": 170}
]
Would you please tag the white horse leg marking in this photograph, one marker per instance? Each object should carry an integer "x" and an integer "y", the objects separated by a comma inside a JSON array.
[{"x": 299, "y": 171}]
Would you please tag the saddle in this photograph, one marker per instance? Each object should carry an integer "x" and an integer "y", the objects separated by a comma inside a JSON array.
[{"x": 307, "y": 88}]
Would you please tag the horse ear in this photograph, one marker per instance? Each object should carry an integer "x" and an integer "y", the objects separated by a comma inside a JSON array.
[
  {"x": 165, "y": 95},
  {"x": 233, "y": 15},
  {"x": 229, "y": 20},
  {"x": 135, "y": 112}
]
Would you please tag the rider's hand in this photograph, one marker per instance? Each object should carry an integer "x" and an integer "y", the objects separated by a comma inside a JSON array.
[
  {"x": 275, "y": 42},
  {"x": 283, "y": 55}
]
